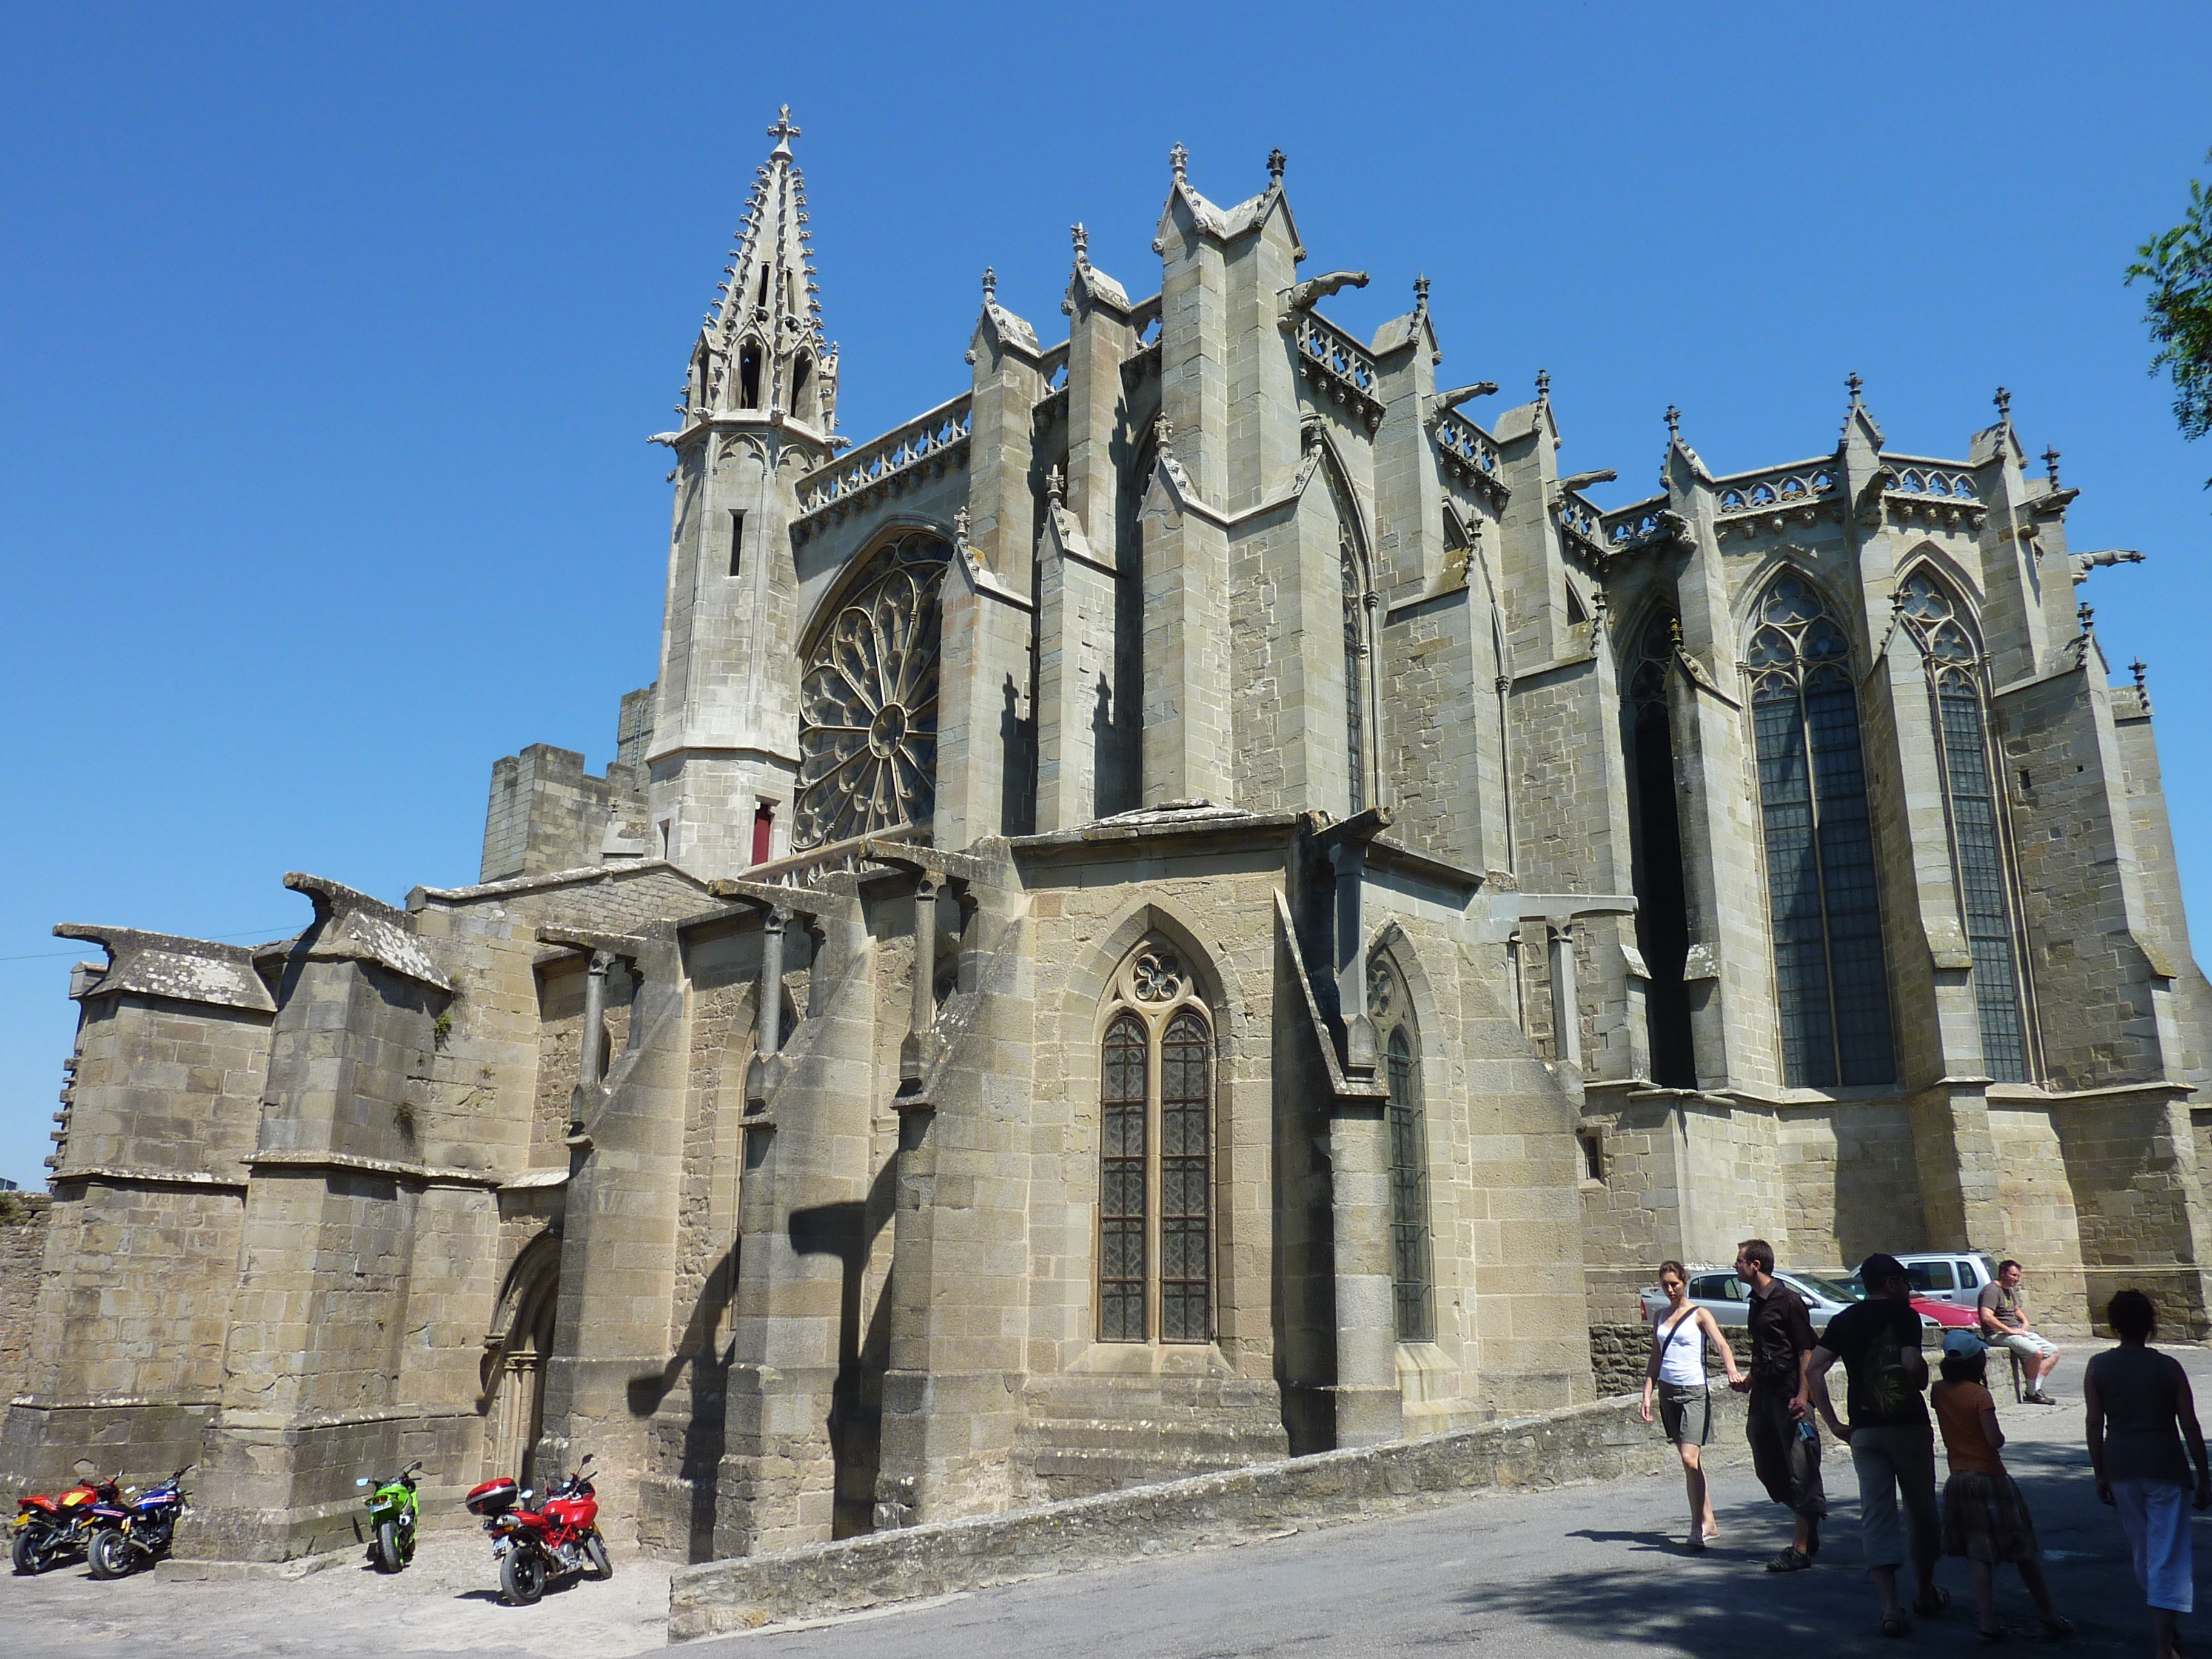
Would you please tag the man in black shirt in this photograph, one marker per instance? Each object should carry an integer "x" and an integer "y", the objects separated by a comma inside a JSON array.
[
  {"x": 1892, "y": 1447},
  {"x": 1785, "y": 1447}
]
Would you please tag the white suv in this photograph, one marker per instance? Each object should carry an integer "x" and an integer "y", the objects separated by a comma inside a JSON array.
[{"x": 1956, "y": 1277}]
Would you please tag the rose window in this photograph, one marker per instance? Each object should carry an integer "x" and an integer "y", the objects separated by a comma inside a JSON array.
[
  {"x": 868, "y": 704},
  {"x": 1158, "y": 977}
]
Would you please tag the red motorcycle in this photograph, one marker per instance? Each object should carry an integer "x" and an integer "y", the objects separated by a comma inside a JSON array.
[
  {"x": 49, "y": 1531},
  {"x": 533, "y": 1547}
]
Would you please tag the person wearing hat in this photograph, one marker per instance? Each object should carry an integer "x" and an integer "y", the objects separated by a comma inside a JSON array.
[
  {"x": 1985, "y": 1518},
  {"x": 1892, "y": 1447}
]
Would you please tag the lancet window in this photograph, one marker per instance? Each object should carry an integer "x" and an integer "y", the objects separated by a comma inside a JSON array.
[
  {"x": 1829, "y": 969},
  {"x": 1663, "y": 925},
  {"x": 1412, "y": 1255},
  {"x": 1940, "y": 626},
  {"x": 1357, "y": 653},
  {"x": 1156, "y": 1155},
  {"x": 867, "y": 702}
]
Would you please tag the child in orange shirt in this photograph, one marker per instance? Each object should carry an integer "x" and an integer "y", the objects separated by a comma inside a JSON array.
[{"x": 1985, "y": 1518}]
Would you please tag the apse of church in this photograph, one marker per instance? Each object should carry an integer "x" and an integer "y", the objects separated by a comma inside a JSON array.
[{"x": 1193, "y": 902}]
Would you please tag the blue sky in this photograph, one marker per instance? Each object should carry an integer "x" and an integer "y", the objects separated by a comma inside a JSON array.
[{"x": 329, "y": 338}]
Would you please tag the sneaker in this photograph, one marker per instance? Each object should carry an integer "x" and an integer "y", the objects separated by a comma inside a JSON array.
[{"x": 1790, "y": 1561}]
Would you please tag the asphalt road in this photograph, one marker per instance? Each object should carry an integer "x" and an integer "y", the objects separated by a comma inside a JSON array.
[{"x": 1595, "y": 1569}]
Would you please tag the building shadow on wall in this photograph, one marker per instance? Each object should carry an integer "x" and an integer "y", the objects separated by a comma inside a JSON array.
[
  {"x": 847, "y": 1230},
  {"x": 706, "y": 1369}
]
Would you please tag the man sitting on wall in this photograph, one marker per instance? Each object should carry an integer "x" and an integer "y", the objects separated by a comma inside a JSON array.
[{"x": 2005, "y": 1325}]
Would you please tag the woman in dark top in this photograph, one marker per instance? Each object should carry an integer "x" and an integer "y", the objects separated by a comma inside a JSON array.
[{"x": 2141, "y": 1413}]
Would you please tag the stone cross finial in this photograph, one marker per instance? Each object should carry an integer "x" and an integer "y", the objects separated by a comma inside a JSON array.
[
  {"x": 783, "y": 129},
  {"x": 1163, "y": 433},
  {"x": 1853, "y": 381},
  {"x": 1543, "y": 386},
  {"x": 1275, "y": 159},
  {"x": 2004, "y": 401},
  {"x": 2087, "y": 617},
  {"x": 1673, "y": 421},
  {"x": 2050, "y": 465},
  {"x": 990, "y": 286},
  {"x": 1178, "y": 159},
  {"x": 2139, "y": 668},
  {"x": 1421, "y": 292},
  {"x": 1597, "y": 611},
  {"x": 1055, "y": 486},
  {"x": 1675, "y": 629},
  {"x": 1082, "y": 243}
]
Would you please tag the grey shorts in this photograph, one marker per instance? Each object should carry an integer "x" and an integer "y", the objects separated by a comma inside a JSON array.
[
  {"x": 1686, "y": 1413},
  {"x": 2027, "y": 1344}
]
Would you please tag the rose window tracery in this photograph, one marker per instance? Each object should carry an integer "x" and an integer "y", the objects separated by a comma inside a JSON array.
[
  {"x": 867, "y": 702},
  {"x": 1158, "y": 977}
]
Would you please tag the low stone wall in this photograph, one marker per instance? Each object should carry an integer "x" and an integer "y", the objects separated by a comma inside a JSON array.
[
  {"x": 22, "y": 1259},
  {"x": 1597, "y": 1441},
  {"x": 1619, "y": 1353}
]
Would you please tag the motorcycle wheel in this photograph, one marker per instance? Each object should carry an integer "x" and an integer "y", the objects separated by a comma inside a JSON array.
[
  {"x": 386, "y": 1548},
  {"x": 28, "y": 1557},
  {"x": 110, "y": 1554},
  {"x": 595, "y": 1552},
  {"x": 522, "y": 1576}
]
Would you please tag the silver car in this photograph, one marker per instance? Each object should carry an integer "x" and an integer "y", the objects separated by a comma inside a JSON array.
[{"x": 1729, "y": 1297}]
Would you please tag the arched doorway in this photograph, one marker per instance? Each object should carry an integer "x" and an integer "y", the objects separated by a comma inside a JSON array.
[{"x": 515, "y": 1352}]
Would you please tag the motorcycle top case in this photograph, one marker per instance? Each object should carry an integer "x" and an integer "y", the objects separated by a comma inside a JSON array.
[{"x": 493, "y": 1498}]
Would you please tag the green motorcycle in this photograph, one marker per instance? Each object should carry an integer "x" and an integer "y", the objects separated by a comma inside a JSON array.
[{"x": 394, "y": 1511}]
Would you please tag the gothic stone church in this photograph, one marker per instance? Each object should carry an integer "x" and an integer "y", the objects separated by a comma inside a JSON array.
[{"x": 1193, "y": 902}]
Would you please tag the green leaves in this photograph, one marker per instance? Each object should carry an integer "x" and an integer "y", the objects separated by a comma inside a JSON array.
[{"x": 2177, "y": 264}]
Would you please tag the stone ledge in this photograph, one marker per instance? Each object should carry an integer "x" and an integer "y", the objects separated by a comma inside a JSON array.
[
  {"x": 170, "y": 1570},
  {"x": 1595, "y": 1442}
]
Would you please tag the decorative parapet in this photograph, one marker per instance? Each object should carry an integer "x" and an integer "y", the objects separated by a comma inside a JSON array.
[
  {"x": 1749, "y": 503},
  {"x": 1470, "y": 454},
  {"x": 1914, "y": 488},
  {"x": 922, "y": 448},
  {"x": 1581, "y": 526},
  {"x": 166, "y": 965},
  {"x": 1644, "y": 524},
  {"x": 351, "y": 927},
  {"x": 1336, "y": 366}
]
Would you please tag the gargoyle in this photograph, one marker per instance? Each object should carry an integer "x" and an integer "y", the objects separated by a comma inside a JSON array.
[
  {"x": 1460, "y": 394},
  {"x": 1303, "y": 296}
]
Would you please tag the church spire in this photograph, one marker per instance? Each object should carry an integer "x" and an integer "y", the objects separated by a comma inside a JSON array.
[{"x": 762, "y": 348}]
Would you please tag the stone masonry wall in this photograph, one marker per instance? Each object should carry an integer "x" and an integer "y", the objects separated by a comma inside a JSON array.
[{"x": 22, "y": 1257}]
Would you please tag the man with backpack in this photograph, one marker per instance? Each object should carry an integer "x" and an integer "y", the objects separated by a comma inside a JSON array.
[{"x": 1891, "y": 1442}]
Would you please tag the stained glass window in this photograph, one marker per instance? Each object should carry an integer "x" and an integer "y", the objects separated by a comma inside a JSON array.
[
  {"x": 1355, "y": 673},
  {"x": 1410, "y": 1266},
  {"x": 1830, "y": 974},
  {"x": 1938, "y": 624},
  {"x": 1122, "y": 1183},
  {"x": 867, "y": 702},
  {"x": 1156, "y": 1158}
]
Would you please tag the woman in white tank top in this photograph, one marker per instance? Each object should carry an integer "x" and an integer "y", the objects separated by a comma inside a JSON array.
[{"x": 1676, "y": 1369}]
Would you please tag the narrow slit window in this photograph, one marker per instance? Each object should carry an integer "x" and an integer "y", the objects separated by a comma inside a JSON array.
[
  {"x": 764, "y": 831},
  {"x": 737, "y": 542},
  {"x": 1662, "y": 909},
  {"x": 748, "y": 373}
]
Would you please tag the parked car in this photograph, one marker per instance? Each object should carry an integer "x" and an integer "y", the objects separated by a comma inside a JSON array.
[
  {"x": 1729, "y": 1297},
  {"x": 1946, "y": 1286}
]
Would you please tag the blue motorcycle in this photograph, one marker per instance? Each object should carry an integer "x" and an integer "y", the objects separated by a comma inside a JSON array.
[{"x": 140, "y": 1530}]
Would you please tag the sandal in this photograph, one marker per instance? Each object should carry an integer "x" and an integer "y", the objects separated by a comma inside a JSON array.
[
  {"x": 2000, "y": 1634},
  {"x": 1942, "y": 1601},
  {"x": 1790, "y": 1561},
  {"x": 1896, "y": 1624},
  {"x": 2058, "y": 1629}
]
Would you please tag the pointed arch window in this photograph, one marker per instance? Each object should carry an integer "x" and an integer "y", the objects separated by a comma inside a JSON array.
[
  {"x": 748, "y": 373},
  {"x": 1830, "y": 974},
  {"x": 1156, "y": 1155},
  {"x": 1412, "y": 1251},
  {"x": 1356, "y": 652},
  {"x": 1940, "y": 626},
  {"x": 1662, "y": 909}
]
